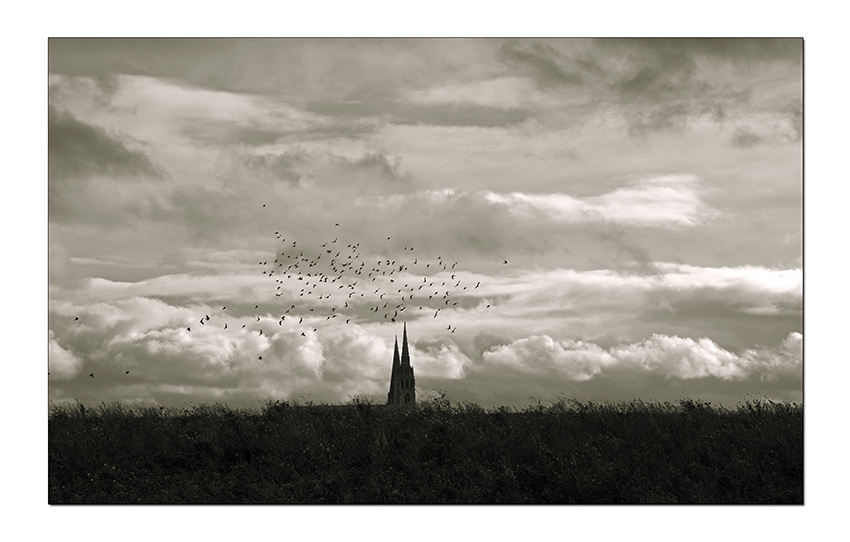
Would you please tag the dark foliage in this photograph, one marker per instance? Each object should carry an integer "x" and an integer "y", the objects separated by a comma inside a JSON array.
[{"x": 566, "y": 452}]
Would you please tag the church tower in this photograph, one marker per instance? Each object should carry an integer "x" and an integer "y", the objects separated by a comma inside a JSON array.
[{"x": 402, "y": 382}]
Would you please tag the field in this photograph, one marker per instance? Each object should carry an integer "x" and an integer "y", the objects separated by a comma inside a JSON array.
[{"x": 560, "y": 453}]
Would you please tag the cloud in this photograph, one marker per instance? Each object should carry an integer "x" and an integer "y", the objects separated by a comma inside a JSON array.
[
  {"x": 303, "y": 168},
  {"x": 660, "y": 366},
  {"x": 501, "y": 93},
  {"x": 671, "y": 200},
  {"x": 439, "y": 357},
  {"x": 544, "y": 62},
  {"x": 570, "y": 360},
  {"x": 62, "y": 364},
  {"x": 780, "y": 128},
  {"x": 659, "y": 85},
  {"x": 79, "y": 150}
]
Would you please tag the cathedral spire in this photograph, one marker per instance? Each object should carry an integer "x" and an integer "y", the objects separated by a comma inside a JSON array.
[
  {"x": 402, "y": 381},
  {"x": 394, "y": 377},
  {"x": 405, "y": 356}
]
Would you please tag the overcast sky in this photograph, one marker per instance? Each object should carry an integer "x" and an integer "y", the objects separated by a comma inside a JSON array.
[{"x": 645, "y": 194}]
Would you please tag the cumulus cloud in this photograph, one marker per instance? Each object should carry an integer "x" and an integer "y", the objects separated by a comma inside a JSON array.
[
  {"x": 651, "y": 367},
  {"x": 62, "y": 364},
  {"x": 439, "y": 358},
  {"x": 167, "y": 362},
  {"x": 570, "y": 360}
]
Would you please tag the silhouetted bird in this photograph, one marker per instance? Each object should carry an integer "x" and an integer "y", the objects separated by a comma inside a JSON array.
[
  {"x": 188, "y": 329},
  {"x": 126, "y": 372},
  {"x": 76, "y": 318},
  {"x": 91, "y": 375},
  {"x": 506, "y": 261}
]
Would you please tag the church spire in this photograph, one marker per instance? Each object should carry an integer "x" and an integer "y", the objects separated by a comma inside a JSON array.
[
  {"x": 402, "y": 381},
  {"x": 405, "y": 356}
]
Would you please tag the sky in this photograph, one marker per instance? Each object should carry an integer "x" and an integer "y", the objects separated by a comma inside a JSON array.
[{"x": 599, "y": 219}]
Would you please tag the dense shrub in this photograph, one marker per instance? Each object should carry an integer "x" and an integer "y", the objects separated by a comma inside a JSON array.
[{"x": 565, "y": 452}]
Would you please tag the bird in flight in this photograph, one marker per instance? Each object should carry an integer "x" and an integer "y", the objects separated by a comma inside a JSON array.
[
  {"x": 76, "y": 318},
  {"x": 91, "y": 375},
  {"x": 506, "y": 261},
  {"x": 126, "y": 372}
]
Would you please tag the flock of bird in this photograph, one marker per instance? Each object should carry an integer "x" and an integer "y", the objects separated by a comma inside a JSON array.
[
  {"x": 335, "y": 281},
  {"x": 338, "y": 282}
]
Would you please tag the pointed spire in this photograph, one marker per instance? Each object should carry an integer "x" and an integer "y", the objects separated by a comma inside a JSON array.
[
  {"x": 391, "y": 396},
  {"x": 405, "y": 356}
]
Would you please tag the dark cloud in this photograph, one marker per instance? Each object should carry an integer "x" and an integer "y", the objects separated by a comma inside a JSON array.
[
  {"x": 296, "y": 166},
  {"x": 673, "y": 116},
  {"x": 398, "y": 111},
  {"x": 622, "y": 241},
  {"x": 543, "y": 62},
  {"x": 486, "y": 341},
  {"x": 208, "y": 131},
  {"x": 785, "y": 128},
  {"x": 663, "y": 84},
  {"x": 331, "y": 69},
  {"x": 83, "y": 162},
  {"x": 79, "y": 150},
  {"x": 739, "y": 50},
  {"x": 743, "y": 137},
  {"x": 222, "y": 132}
]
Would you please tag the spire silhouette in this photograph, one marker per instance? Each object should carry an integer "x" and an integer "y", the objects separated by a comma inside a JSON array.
[
  {"x": 405, "y": 355},
  {"x": 402, "y": 382}
]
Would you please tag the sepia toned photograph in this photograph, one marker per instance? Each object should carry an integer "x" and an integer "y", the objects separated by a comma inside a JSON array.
[{"x": 375, "y": 271}]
